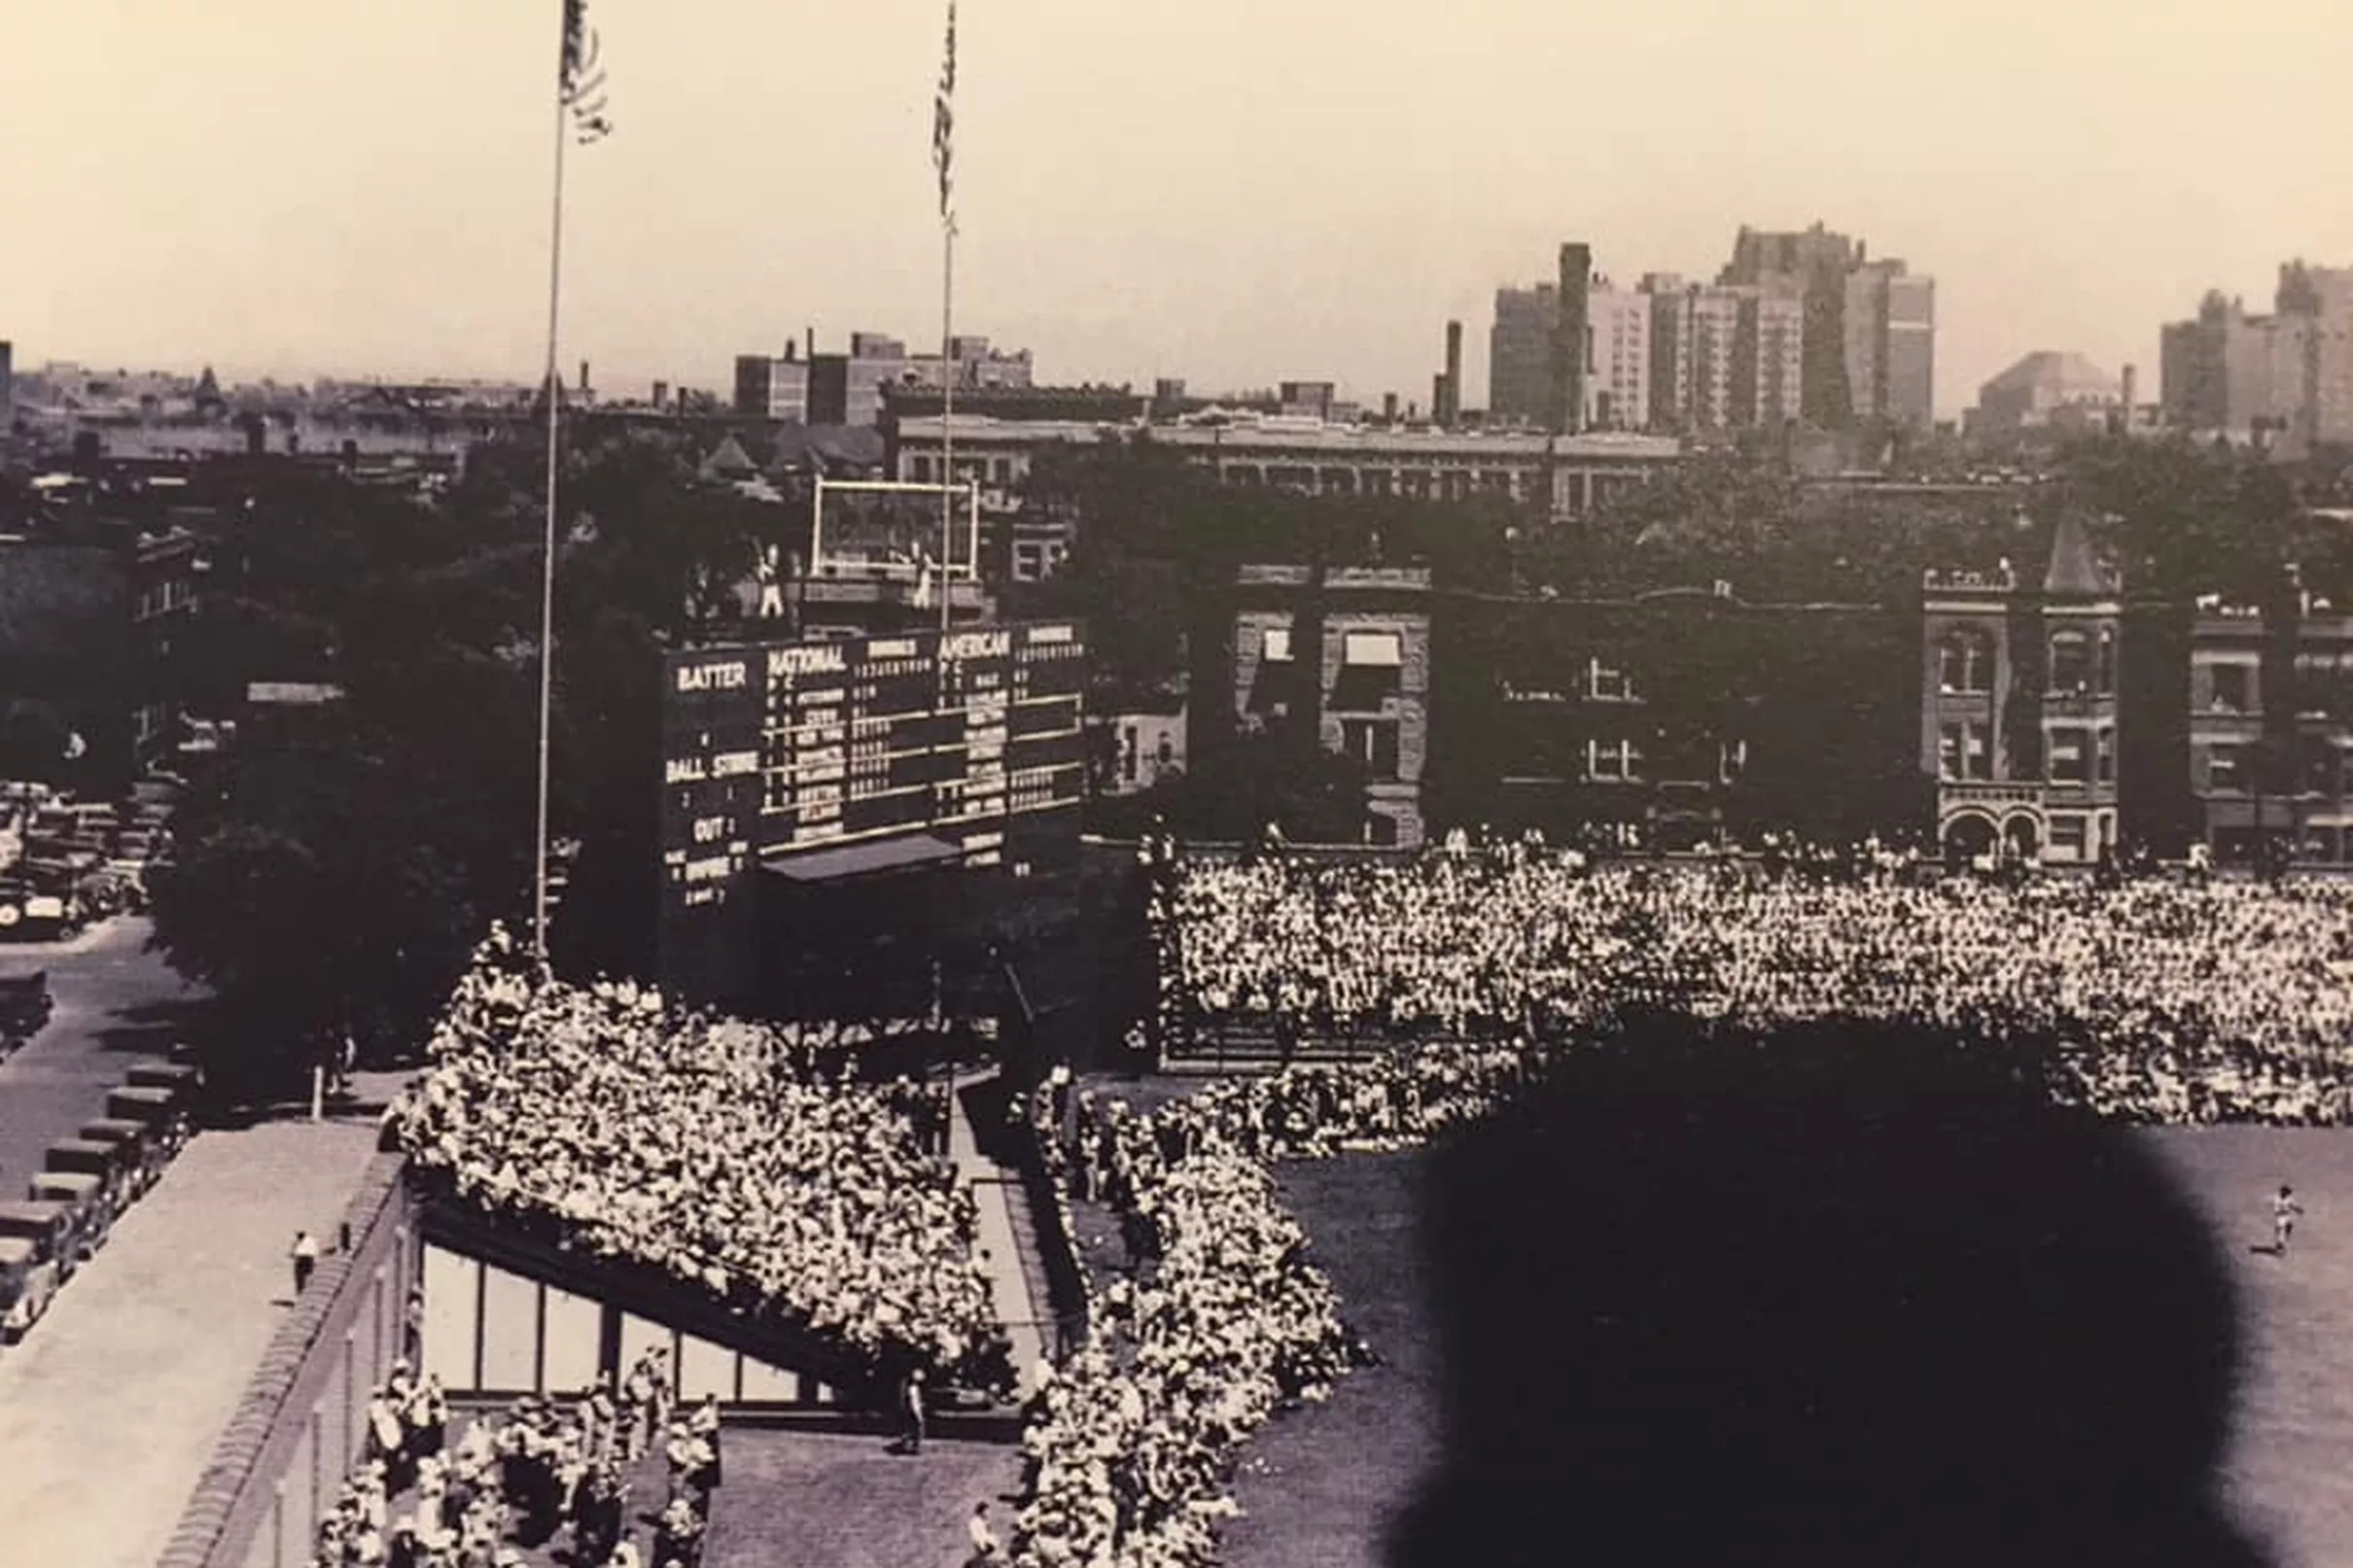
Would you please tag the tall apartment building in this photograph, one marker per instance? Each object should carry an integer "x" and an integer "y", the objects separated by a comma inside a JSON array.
[
  {"x": 1870, "y": 326},
  {"x": 1613, "y": 375},
  {"x": 2315, "y": 305},
  {"x": 1518, "y": 354},
  {"x": 1767, "y": 359},
  {"x": 1811, "y": 267},
  {"x": 1617, "y": 360},
  {"x": 2289, "y": 374},
  {"x": 1722, "y": 358},
  {"x": 1889, "y": 341}
]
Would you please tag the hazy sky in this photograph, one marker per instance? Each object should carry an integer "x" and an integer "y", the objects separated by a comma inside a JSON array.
[{"x": 1231, "y": 190}]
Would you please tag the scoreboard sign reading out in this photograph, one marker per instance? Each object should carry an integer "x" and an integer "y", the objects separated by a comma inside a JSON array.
[{"x": 781, "y": 749}]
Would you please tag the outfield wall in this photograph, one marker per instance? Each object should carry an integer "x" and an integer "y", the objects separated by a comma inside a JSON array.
[{"x": 284, "y": 1455}]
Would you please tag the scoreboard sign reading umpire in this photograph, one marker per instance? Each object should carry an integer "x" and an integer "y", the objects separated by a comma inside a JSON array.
[{"x": 773, "y": 751}]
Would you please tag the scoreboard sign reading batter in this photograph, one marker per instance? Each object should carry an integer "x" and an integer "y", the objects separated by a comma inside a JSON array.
[{"x": 784, "y": 748}]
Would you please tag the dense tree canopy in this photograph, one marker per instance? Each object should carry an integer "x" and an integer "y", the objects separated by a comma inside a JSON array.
[{"x": 335, "y": 877}]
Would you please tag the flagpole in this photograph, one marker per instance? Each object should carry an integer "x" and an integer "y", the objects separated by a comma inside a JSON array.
[
  {"x": 555, "y": 273},
  {"x": 947, "y": 411}
]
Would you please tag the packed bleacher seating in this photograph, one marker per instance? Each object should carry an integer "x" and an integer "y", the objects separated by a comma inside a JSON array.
[
  {"x": 2165, "y": 999},
  {"x": 1466, "y": 971},
  {"x": 705, "y": 1150}
]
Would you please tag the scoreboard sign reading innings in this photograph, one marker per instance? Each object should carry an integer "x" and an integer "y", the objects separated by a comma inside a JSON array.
[{"x": 784, "y": 748}]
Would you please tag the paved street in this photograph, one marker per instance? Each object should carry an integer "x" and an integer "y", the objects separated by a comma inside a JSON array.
[
  {"x": 111, "y": 1407},
  {"x": 116, "y": 1004}
]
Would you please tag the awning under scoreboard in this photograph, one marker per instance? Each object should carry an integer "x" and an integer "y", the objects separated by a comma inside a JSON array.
[{"x": 863, "y": 860}]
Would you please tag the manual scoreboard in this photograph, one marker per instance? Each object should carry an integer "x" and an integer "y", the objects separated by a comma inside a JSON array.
[{"x": 782, "y": 749}]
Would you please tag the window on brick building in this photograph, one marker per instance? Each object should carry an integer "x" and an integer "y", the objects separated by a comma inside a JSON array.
[
  {"x": 2071, "y": 667},
  {"x": 1965, "y": 661}
]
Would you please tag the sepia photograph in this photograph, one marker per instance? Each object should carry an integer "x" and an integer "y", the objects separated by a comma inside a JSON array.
[{"x": 1001, "y": 783}]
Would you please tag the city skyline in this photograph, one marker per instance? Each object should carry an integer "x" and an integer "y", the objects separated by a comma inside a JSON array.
[{"x": 1229, "y": 196}]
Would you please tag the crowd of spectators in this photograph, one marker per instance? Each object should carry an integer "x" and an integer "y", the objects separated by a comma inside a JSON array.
[
  {"x": 704, "y": 1149},
  {"x": 2165, "y": 999},
  {"x": 2151, "y": 999},
  {"x": 512, "y": 1482},
  {"x": 1222, "y": 1320}
]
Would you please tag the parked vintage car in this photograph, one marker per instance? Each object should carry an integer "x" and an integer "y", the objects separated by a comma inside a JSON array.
[
  {"x": 113, "y": 1164},
  {"x": 95, "y": 1209},
  {"x": 28, "y": 1279},
  {"x": 24, "y": 1007},
  {"x": 52, "y": 1229},
  {"x": 183, "y": 1077},
  {"x": 141, "y": 1150},
  {"x": 163, "y": 1112}
]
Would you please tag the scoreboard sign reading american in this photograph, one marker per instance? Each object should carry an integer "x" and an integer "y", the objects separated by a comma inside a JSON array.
[{"x": 780, "y": 748}]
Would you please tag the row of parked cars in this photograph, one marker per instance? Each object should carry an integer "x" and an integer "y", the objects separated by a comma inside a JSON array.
[
  {"x": 85, "y": 1184},
  {"x": 71, "y": 862}
]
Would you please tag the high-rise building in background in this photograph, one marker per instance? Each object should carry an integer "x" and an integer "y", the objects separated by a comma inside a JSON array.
[
  {"x": 2286, "y": 375},
  {"x": 1617, "y": 358},
  {"x": 1798, "y": 327},
  {"x": 1870, "y": 326},
  {"x": 1518, "y": 354},
  {"x": 1810, "y": 266},
  {"x": 1767, "y": 359},
  {"x": 1889, "y": 343},
  {"x": 1612, "y": 374},
  {"x": 1721, "y": 357},
  {"x": 2318, "y": 303}
]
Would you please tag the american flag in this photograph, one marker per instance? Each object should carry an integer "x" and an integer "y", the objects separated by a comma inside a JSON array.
[
  {"x": 943, "y": 116},
  {"x": 581, "y": 80}
]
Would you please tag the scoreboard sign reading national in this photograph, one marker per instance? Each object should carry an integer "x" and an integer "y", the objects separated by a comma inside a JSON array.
[{"x": 782, "y": 748}]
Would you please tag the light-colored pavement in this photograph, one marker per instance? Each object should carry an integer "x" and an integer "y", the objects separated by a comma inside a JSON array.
[
  {"x": 1007, "y": 1280},
  {"x": 114, "y": 1000},
  {"x": 111, "y": 1406}
]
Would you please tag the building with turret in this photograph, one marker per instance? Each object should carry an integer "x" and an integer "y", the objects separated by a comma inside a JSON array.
[{"x": 2018, "y": 707}]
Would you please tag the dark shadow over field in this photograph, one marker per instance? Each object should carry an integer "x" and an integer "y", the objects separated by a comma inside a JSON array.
[{"x": 1820, "y": 1301}]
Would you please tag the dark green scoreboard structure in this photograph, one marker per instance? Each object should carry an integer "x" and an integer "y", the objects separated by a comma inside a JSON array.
[{"x": 792, "y": 768}]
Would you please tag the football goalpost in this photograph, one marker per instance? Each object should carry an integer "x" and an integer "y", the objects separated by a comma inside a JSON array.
[{"x": 870, "y": 534}]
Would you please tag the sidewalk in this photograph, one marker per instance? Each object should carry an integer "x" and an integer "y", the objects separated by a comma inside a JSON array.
[
  {"x": 1009, "y": 1280},
  {"x": 111, "y": 1407}
]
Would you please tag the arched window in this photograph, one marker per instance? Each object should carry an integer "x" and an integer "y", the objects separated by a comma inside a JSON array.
[
  {"x": 2071, "y": 668},
  {"x": 1965, "y": 660}
]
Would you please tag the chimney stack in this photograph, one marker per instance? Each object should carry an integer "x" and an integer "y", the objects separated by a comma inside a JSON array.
[
  {"x": 583, "y": 375},
  {"x": 1438, "y": 399},
  {"x": 812, "y": 342},
  {"x": 2131, "y": 386},
  {"x": 1454, "y": 375},
  {"x": 1389, "y": 408},
  {"x": 1569, "y": 330},
  {"x": 661, "y": 395}
]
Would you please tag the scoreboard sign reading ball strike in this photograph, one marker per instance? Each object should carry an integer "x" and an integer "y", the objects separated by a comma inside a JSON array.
[{"x": 772, "y": 750}]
